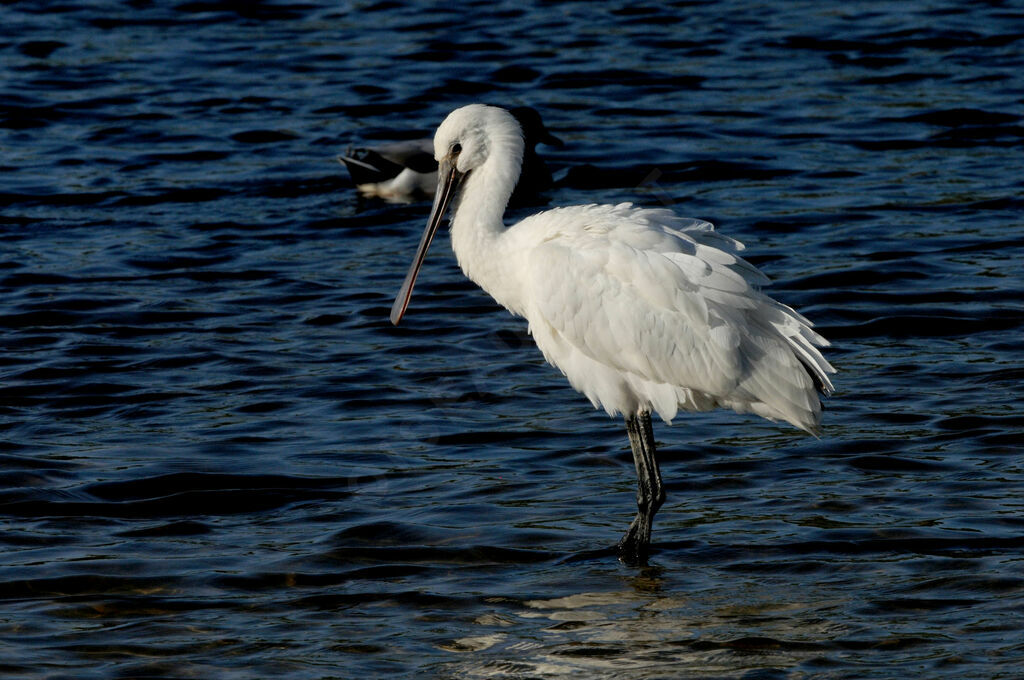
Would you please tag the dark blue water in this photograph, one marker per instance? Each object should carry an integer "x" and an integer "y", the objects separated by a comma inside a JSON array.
[{"x": 219, "y": 459}]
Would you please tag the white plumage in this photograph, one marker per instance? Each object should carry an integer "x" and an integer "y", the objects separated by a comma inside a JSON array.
[{"x": 642, "y": 310}]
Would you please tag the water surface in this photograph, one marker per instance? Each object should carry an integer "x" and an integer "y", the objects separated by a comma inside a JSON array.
[{"x": 219, "y": 459}]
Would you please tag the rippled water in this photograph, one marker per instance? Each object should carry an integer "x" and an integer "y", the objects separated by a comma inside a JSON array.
[{"x": 220, "y": 460}]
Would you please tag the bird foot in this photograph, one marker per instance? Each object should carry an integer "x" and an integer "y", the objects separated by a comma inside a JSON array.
[{"x": 635, "y": 544}]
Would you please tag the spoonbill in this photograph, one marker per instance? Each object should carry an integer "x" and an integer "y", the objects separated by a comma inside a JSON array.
[
  {"x": 403, "y": 171},
  {"x": 642, "y": 310}
]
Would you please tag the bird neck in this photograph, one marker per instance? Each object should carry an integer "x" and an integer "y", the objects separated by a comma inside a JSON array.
[{"x": 477, "y": 223}]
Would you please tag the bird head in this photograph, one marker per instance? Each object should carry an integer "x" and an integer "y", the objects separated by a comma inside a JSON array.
[
  {"x": 464, "y": 142},
  {"x": 469, "y": 136}
]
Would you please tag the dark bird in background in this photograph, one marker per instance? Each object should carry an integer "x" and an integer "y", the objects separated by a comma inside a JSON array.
[{"x": 401, "y": 172}]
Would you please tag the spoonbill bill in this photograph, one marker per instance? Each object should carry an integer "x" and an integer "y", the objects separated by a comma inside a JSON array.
[{"x": 642, "y": 310}]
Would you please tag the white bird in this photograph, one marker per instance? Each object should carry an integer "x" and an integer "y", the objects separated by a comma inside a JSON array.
[
  {"x": 642, "y": 310},
  {"x": 401, "y": 172}
]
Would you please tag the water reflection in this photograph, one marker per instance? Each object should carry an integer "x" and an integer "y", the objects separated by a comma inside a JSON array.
[{"x": 646, "y": 631}]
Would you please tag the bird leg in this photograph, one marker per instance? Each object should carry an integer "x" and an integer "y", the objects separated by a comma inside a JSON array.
[{"x": 650, "y": 493}]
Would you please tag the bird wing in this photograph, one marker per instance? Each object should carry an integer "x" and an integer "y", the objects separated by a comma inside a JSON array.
[
  {"x": 415, "y": 154},
  {"x": 378, "y": 164},
  {"x": 668, "y": 306}
]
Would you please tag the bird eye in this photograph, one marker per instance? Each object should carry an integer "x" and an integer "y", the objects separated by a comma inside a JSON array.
[{"x": 456, "y": 148}]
